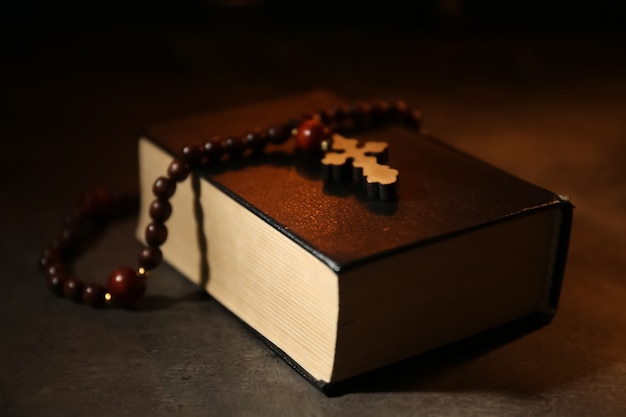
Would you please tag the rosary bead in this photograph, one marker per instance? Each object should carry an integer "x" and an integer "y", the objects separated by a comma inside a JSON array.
[
  {"x": 60, "y": 246},
  {"x": 97, "y": 201},
  {"x": 310, "y": 135},
  {"x": 75, "y": 218},
  {"x": 125, "y": 287},
  {"x": 93, "y": 295},
  {"x": 178, "y": 170},
  {"x": 400, "y": 109},
  {"x": 192, "y": 155},
  {"x": 340, "y": 113},
  {"x": 360, "y": 112},
  {"x": 255, "y": 140},
  {"x": 48, "y": 257},
  {"x": 213, "y": 149},
  {"x": 150, "y": 257},
  {"x": 278, "y": 134},
  {"x": 160, "y": 210},
  {"x": 55, "y": 283},
  {"x": 45, "y": 262},
  {"x": 381, "y": 110},
  {"x": 56, "y": 269},
  {"x": 414, "y": 119},
  {"x": 164, "y": 188},
  {"x": 73, "y": 289},
  {"x": 68, "y": 236},
  {"x": 156, "y": 234},
  {"x": 234, "y": 146}
]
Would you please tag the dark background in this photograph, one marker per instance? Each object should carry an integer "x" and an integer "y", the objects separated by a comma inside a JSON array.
[{"x": 537, "y": 89}]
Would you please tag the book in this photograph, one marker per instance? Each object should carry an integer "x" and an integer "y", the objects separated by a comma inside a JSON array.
[{"x": 341, "y": 285}]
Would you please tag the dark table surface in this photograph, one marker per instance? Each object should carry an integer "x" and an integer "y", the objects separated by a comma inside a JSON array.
[{"x": 549, "y": 108}]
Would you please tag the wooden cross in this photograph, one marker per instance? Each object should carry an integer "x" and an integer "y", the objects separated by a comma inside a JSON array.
[{"x": 366, "y": 163}]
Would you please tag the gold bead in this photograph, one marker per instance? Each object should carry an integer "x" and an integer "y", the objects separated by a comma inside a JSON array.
[
  {"x": 326, "y": 145},
  {"x": 142, "y": 272},
  {"x": 108, "y": 298}
]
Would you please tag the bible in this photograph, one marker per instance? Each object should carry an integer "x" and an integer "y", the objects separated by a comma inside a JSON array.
[{"x": 340, "y": 284}]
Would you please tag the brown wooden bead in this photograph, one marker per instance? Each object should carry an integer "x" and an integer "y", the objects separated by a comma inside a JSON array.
[
  {"x": 49, "y": 256},
  {"x": 360, "y": 112},
  {"x": 213, "y": 149},
  {"x": 68, "y": 237},
  {"x": 45, "y": 262},
  {"x": 278, "y": 134},
  {"x": 56, "y": 269},
  {"x": 400, "y": 109},
  {"x": 164, "y": 188},
  {"x": 150, "y": 257},
  {"x": 60, "y": 246},
  {"x": 76, "y": 218},
  {"x": 234, "y": 146},
  {"x": 73, "y": 289},
  {"x": 381, "y": 110},
  {"x": 156, "y": 234},
  {"x": 125, "y": 287},
  {"x": 55, "y": 283},
  {"x": 93, "y": 295},
  {"x": 178, "y": 170},
  {"x": 414, "y": 119},
  {"x": 255, "y": 140},
  {"x": 97, "y": 201},
  {"x": 160, "y": 210},
  {"x": 340, "y": 113},
  {"x": 192, "y": 155}
]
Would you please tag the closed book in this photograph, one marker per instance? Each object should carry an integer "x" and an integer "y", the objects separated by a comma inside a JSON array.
[{"x": 341, "y": 284}]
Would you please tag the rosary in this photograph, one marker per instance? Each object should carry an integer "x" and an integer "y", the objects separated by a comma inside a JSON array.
[{"x": 313, "y": 133}]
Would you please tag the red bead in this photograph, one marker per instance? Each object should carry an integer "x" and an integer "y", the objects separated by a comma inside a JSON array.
[
  {"x": 310, "y": 135},
  {"x": 125, "y": 287}
]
